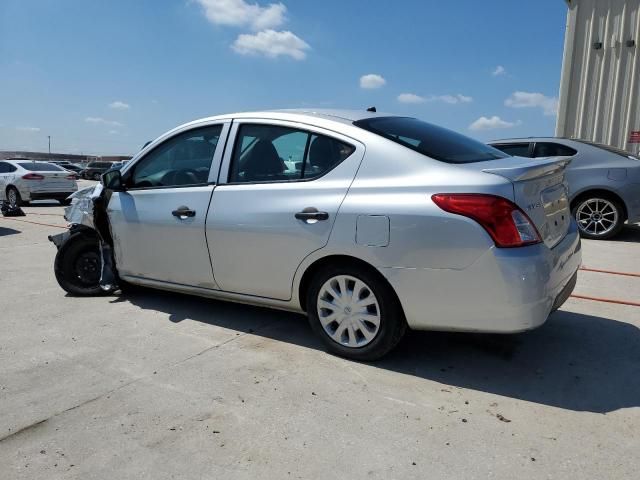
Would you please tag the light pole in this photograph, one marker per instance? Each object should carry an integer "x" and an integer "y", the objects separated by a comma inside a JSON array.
[{"x": 49, "y": 137}]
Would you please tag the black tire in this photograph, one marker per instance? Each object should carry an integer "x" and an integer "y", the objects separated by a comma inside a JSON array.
[
  {"x": 392, "y": 322},
  {"x": 65, "y": 202},
  {"x": 77, "y": 265},
  {"x": 617, "y": 227},
  {"x": 96, "y": 176},
  {"x": 18, "y": 198}
]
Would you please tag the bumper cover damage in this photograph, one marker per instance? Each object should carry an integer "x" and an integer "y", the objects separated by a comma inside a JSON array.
[{"x": 88, "y": 210}]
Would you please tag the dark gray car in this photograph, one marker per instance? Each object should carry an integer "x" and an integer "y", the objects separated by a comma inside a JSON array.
[{"x": 604, "y": 182}]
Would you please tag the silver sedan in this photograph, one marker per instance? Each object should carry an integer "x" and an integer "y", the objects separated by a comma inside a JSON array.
[
  {"x": 604, "y": 182},
  {"x": 368, "y": 223}
]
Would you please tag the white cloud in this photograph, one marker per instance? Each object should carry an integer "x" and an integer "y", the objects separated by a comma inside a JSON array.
[
  {"x": 372, "y": 80},
  {"x": 492, "y": 123},
  {"x": 239, "y": 13},
  {"x": 28, "y": 129},
  {"x": 410, "y": 98},
  {"x": 113, "y": 132},
  {"x": 450, "y": 99},
  {"x": 500, "y": 70},
  {"x": 118, "y": 105},
  {"x": 549, "y": 105},
  {"x": 271, "y": 44},
  {"x": 102, "y": 121}
]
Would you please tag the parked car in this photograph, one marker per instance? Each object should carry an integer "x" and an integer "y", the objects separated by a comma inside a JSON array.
[
  {"x": 94, "y": 170},
  {"x": 24, "y": 180},
  {"x": 72, "y": 167},
  {"x": 604, "y": 182},
  {"x": 373, "y": 224}
]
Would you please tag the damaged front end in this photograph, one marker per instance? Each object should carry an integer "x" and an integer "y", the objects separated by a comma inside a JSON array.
[{"x": 88, "y": 213}]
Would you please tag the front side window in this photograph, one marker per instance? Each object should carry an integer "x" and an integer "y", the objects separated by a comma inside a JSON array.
[
  {"x": 430, "y": 140},
  {"x": 548, "y": 149},
  {"x": 269, "y": 153},
  {"x": 514, "y": 149},
  {"x": 182, "y": 160}
]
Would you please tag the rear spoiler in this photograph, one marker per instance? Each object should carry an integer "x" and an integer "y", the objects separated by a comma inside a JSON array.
[{"x": 531, "y": 170}]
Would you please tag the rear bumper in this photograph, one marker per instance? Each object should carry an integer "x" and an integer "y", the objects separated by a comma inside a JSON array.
[
  {"x": 49, "y": 195},
  {"x": 504, "y": 291}
]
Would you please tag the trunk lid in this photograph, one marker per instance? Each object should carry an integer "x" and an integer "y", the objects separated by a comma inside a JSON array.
[
  {"x": 55, "y": 180},
  {"x": 539, "y": 189}
]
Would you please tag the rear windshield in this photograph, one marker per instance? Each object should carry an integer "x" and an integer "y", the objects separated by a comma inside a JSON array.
[
  {"x": 608, "y": 148},
  {"x": 40, "y": 167},
  {"x": 431, "y": 140}
]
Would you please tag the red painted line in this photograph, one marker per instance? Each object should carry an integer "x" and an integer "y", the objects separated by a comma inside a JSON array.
[
  {"x": 50, "y": 214},
  {"x": 35, "y": 223},
  {"x": 597, "y": 270},
  {"x": 607, "y": 300}
]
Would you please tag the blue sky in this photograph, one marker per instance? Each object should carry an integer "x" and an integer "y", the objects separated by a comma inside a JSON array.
[{"x": 103, "y": 77}]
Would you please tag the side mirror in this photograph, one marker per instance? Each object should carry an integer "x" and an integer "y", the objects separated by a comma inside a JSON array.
[{"x": 112, "y": 180}]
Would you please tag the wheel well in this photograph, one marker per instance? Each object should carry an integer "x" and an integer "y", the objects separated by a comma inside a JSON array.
[
  {"x": 601, "y": 193},
  {"x": 342, "y": 260}
]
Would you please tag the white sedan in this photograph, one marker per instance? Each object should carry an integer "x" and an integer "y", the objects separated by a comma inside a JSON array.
[{"x": 24, "y": 180}]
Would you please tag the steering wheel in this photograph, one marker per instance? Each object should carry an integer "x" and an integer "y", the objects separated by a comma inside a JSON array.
[{"x": 187, "y": 176}]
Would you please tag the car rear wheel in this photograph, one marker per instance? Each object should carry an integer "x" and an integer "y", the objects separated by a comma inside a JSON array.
[
  {"x": 96, "y": 176},
  {"x": 77, "y": 265},
  {"x": 598, "y": 218},
  {"x": 13, "y": 197},
  {"x": 355, "y": 313}
]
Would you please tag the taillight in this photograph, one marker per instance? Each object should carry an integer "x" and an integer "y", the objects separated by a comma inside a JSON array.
[
  {"x": 32, "y": 176},
  {"x": 71, "y": 177},
  {"x": 507, "y": 224}
]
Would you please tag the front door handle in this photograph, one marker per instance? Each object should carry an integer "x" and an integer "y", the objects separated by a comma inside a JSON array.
[
  {"x": 183, "y": 212},
  {"x": 311, "y": 213}
]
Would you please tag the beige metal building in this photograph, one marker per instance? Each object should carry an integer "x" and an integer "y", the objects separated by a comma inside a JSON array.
[{"x": 600, "y": 83}]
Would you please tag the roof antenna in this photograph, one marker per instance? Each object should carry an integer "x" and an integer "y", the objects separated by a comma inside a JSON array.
[{"x": 372, "y": 109}]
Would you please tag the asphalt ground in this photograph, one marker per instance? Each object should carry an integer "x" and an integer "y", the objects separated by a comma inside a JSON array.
[{"x": 158, "y": 385}]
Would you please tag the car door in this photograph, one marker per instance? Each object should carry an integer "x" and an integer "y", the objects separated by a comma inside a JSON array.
[
  {"x": 158, "y": 222},
  {"x": 4, "y": 170},
  {"x": 280, "y": 189}
]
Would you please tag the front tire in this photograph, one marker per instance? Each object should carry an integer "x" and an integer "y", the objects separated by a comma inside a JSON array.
[
  {"x": 598, "y": 217},
  {"x": 77, "y": 265},
  {"x": 355, "y": 313}
]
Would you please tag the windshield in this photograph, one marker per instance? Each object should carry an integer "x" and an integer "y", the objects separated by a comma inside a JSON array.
[
  {"x": 431, "y": 140},
  {"x": 40, "y": 167}
]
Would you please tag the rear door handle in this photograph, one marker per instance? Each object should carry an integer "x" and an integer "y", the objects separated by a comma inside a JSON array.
[
  {"x": 183, "y": 212},
  {"x": 311, "y": 213}
]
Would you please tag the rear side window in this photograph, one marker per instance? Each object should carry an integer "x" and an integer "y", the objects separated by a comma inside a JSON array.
[
  {"x": 40, "y": 167},
  {"x": 269, "y": 153},
  {"x": 514, "y": 149},
  {"x": 549, "y": 149},
  {"x": 431, "y": 140},
  {"x": 608, "y": 148}
]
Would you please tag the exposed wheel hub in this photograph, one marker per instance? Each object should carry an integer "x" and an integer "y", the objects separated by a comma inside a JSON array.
[{"x": 597, "y": 216}]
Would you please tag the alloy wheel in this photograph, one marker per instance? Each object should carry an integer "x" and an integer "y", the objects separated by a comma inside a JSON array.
[
  {"x": 12, "y": 196},
  {"x": 348, "y": 311},
  {"x": 597, "y": 216}
]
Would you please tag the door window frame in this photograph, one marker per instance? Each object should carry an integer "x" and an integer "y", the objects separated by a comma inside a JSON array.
[
  {"x": 216, "y": 161},
  {"x": 225, "y": 168}
]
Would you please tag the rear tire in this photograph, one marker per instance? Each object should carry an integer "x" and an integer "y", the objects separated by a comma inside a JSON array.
[
  {"x": 77, "y": 265},
  {"x": 96, "y": 176},
  {"x": 13, "y": 197},
  {"x": 354, "y": 312},
  {"x": 65, "y": 202},
  {"x": 599, "y": 217}
]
